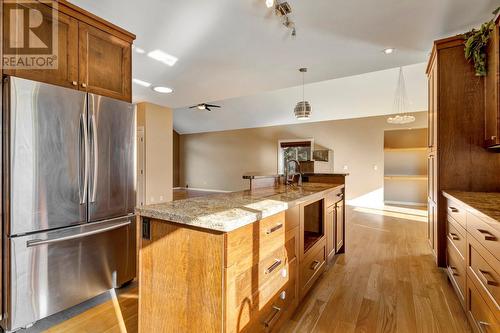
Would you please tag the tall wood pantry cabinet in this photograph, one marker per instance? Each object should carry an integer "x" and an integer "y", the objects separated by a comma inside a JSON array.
[
  {"x": 93, "y": 54},
  {"x": 457, "y": 159}
]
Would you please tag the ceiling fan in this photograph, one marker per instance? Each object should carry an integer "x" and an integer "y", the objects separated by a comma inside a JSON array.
[{"x": 205, "y": 106}]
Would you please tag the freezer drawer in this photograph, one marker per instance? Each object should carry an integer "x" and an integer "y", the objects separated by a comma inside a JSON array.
[{"x": 51, "y": 271}]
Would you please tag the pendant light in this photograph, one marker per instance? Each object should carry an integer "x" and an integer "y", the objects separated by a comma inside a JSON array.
[
  {"x": 401, "y": 103},
  {"x": 303, "y": 108}
]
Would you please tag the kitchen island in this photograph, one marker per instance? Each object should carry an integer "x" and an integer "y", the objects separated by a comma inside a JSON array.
[{"x": 238, "y": 261}]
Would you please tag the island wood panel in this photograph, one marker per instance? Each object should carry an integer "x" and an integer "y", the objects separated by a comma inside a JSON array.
[
  {"x": 181, "y": 280},
  {"x": 463, "y": 163}
]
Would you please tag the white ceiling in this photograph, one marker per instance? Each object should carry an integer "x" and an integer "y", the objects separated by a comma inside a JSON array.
[
  {"x": 232, "y": 48},
  {"x": 363, "y": 95}
]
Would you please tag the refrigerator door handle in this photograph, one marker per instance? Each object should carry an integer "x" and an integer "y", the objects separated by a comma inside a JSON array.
[
  {"x": 37, "y": 242},
  {"x": 83, "y": 199},
  {"x": 96, "y": 158}
]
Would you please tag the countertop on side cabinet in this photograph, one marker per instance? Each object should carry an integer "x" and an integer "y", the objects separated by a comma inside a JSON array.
[
  {"x": 482, "y": 204},
  {"x": 226, "y": 212}
]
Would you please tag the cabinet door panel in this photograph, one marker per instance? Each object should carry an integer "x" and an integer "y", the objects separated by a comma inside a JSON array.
[
  {"x": 491, "y": 90},
  {"x": 330, "y": 230},
  {"x": 66, "y": 72},
  {"x": 339, "y": 235},
  {"x": 105, "y": 63},
  {"x": 431, "y": 225}
]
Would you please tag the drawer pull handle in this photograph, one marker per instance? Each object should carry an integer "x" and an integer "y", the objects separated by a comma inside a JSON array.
[
  {"x": 273, "y": 317},
  {"x": 487, "y": 235},
  {"x": 275, "y": 228},
  {"x": 271, "y": 268},
  {"x": 454, "y": 210},
  {"x": 454, "y": 271},
  {"x": 482, "y": 276},
  {"x": 454, "y": 236},
  {"x": 315, "y": 265},
  {"x": 482, "y": 324}
]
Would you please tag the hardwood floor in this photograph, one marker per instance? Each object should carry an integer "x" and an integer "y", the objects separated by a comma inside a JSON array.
[{"x": 386, "y": 282}]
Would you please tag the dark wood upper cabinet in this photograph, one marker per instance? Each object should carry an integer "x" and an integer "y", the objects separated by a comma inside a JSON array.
[
  {"x": 491, "y": 91},
  {"x": 105, "y": 63},
  {"x": 93, "y": 54},
  {"x": 66, "y": 73}
]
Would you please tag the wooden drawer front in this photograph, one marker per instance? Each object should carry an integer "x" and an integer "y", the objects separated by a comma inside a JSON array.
[
  {"x": 246, "y": 246},
  {"x": 272, "y": 316},
  {"x": 248, "y": 308},
  {"x": 485, "y": 274},
  {"x": 456, "y": 235},
  {"x": 456, "y": 211},
  {"x": 334, "y": 197},
  {"x": 480, "y": 316},
  {"x": 488, "y": 236},
  {"x": 245, "y": 284},
  {"x": 311, "y": 268},
  {"x": 456, "y": 272}
]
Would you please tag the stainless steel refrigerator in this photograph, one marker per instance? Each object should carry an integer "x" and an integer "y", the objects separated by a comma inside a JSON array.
[{"x": 68, "y": 198}]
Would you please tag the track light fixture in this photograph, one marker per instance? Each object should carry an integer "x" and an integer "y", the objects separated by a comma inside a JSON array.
[{"x": 283, "y": 10}]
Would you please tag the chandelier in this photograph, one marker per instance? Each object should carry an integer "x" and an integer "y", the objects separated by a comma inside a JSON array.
[{"x": 401, "y": 103}]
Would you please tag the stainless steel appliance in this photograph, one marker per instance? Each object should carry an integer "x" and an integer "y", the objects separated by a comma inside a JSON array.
[{"x": 68, "y": 198}]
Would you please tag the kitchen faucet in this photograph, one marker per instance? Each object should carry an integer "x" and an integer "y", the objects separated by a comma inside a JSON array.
[{"x": 289, "y": 178}]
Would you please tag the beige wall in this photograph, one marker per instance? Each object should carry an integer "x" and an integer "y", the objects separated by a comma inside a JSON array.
[
  {"x": 158, "y": 129},
  {"x": 217, "y": 160},
  {"x": 176, "y": 162}
]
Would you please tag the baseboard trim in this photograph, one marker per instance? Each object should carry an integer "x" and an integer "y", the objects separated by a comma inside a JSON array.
[{"x": 408, "y": 203}]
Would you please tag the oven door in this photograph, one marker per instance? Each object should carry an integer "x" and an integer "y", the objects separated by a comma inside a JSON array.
[{"x": 52, "y": 271}]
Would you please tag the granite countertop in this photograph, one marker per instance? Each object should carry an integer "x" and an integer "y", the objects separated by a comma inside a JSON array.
[
  {"x": 485, "y": 204},
  {"x": 229, "y": 211}
]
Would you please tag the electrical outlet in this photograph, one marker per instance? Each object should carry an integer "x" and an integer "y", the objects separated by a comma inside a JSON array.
[{"x": 161, "y": 197}]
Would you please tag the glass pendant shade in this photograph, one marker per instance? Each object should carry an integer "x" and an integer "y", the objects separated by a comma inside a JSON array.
[
  {"x": 303, "y": 110},
  {"x": 401, "y": 103}
]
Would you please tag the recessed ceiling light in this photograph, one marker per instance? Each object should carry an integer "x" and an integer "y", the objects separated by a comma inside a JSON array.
[
  {"x": 162, "y": 90},
  {"x": 389, "y": 50},
  {"x": 163, "y": 57},
  {"x": 138, "y": 49},
  {"x": 141, "y": 83},
  {"x": 269, "y": 3}
]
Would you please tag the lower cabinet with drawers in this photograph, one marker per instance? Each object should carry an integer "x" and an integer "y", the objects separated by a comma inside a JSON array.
[
  {"x": 473, "y": 260},
  {"x": 250, "y": 279}
]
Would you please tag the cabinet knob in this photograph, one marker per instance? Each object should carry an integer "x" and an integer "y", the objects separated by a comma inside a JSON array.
[
  {"x": 84, "y": 85},
  {"x": 74, "y": 83}
]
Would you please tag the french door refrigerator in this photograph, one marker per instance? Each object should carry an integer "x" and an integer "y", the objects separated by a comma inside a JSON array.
[{"x": 68, "y": 198}]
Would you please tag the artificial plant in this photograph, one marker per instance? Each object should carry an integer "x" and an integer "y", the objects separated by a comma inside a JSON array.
[{"x": 476, "y": 42}]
